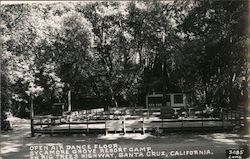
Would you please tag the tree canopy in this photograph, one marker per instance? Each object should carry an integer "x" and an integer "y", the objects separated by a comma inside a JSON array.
[{"x": 118, "y": 52}]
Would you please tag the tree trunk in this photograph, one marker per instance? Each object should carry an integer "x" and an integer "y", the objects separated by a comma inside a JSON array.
[
  {"x": 164, "y": 98},
  {"x": 113, "y": 100}
]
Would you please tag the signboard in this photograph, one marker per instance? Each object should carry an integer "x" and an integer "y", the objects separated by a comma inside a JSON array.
[{"x": 175, "y": 100}]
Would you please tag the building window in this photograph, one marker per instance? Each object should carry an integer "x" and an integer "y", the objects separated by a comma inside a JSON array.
[{"x": 178, "y": 99}]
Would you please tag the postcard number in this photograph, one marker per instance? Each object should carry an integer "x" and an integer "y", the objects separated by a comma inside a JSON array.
[{"x": 235, "y": 154}]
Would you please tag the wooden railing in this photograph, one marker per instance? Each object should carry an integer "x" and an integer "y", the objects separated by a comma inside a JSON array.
[{"x": 65, "y": 124}]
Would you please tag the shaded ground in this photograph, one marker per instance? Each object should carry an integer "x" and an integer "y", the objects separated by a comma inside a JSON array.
[{"x": 16, "y": 144}]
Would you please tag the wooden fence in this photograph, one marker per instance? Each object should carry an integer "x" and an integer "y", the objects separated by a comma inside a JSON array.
[{"x": 64, "y": 124}]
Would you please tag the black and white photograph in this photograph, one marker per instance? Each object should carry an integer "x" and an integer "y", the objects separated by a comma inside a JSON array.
[{"x": 148, "y": 79}]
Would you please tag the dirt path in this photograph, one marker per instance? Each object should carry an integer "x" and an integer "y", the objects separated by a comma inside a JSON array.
[{"x": 16, "y": 144}]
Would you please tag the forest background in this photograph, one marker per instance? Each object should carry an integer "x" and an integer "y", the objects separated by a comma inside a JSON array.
[{"x": 118, "y": 52}]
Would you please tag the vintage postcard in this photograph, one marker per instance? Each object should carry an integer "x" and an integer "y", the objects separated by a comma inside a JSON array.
[{"x": 125, "y": 79}]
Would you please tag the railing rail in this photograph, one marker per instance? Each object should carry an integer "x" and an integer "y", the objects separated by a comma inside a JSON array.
[{"x": 63, "y": 124}]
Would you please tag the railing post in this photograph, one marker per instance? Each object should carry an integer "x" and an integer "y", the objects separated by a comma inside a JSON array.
[
  {"x": 148, "y": 112},
  {"x": 40, "y": 123},
  {"x": 69, "y": 124},
  {"x": 106, "y": 130},
  {"x": 235, "y": 118},
  {"x": 87, "y": 125},
  {"x": 124, "y": 126},
  {"x": 182, "y": 124},
  {"x": 227, "y": 115},
  {"x": 239, "y": 112},
  {"x": 162, "y": 123},
  {"x": 238, "y": 117},
  {"x": 51, "y": 127},
  {"x": 143, "y": 130},
  {"x": 32, "y": 127},
  {"x": 202, "y": 118},
  {"x": 231, "y": 112},
  {"x": 223, "y": 120}
]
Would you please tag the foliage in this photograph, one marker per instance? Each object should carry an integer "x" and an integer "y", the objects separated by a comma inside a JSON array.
[
  {"x": 215, "y": 51},
  {"x": 120, "y": 51}
]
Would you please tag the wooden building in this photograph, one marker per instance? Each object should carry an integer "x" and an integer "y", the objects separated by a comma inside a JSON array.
[{"x": 173, "y": 100}]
